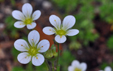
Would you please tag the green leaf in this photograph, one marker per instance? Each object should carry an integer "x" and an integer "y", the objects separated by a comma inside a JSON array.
[{"x": 18, "y": 69}]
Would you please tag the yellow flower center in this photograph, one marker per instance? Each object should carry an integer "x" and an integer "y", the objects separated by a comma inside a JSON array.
[
  {"x": 33, "y": 51},
  {"x": 77, "y": 69},
  {"x": 28, "y": 21},
  {"x": 61, "y": 32}
]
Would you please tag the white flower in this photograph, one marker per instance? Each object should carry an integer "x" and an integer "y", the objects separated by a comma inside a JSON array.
[
  {"x": 26, "y": 17},
  {"x": 76, "y": 66},
  {"x": 107, "y": 69},
  {"x": 32, "y": 50},
  {"x": 61, "y": 30}
]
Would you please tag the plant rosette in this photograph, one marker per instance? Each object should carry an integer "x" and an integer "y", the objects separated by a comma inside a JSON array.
[
  {"x": 26, "y": 17},
  {"x": 33, "y": 50},
  {"x": 76, "y": 66},
  {"x": 61, "y": 30}
]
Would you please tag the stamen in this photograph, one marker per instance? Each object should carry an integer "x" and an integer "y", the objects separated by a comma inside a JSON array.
[
  {"x": 21, "y": 45},
  {"x": 60, "y": 36},
  {"x": 36, "y": 57},
  {"x": 49, "y": 29},
  {"x": 54, "y": 20}
]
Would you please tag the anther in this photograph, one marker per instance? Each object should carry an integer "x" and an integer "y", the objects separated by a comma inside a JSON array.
[{"x": 36, "y": 57}]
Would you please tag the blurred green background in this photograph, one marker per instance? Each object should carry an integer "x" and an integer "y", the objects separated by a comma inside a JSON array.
[{"x": 93, "y": 44}]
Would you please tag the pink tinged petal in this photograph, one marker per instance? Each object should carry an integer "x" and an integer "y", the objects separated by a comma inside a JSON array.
[
  {"x": 27, "y": 9},
  {"x": 49, "y": 30},
  {"x": 36, "y": 15},
  {"x": 33, "y": 37},
  {"x": 68, "y": 22},
  {"x": 75, "y": 63},
  {"x": 55, "y": 21},
  {"x": 21, "y": 45},
  {"x": 24, "y": 58},
  {"x": 43, "y": 45},
  {"x": 83, "y": 66},
  {"x": 72, "y": 32},
  {"x": 70, "y": 68},
  {"x": 31, "y": 26},
  {"x": 108, "y": 68},
  {"x": 18, "y": 15},
  {"x": 38, "y": 60},
  {"x": 60, "y": 39},
  {"x": 19, "y": 24}
]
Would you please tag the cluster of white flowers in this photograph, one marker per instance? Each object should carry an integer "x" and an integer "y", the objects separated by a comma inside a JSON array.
[{"x": 33, "y": 49}]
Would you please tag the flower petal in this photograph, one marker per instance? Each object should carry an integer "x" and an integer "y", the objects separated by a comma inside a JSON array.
[
  {"x": 75, "y": 63},
  {"x": 108, "y": 68},
  {"x": 43, "y": 45},
  {"x": 27, "y": 9},
  {"x": 60, "y": 39},
  {"x": 19, "y": 24},
  {"x": 24, "y": 58},
  {"x": 33, "y": 37},
  {"x": 36, "y": 15},
  {"x": 49, "y": 30},
  {"x": 18, "y": 15},
  {"x": 37, "y": 61},
  {"x": 72, "y": 32},
  {"x": 55, "y": 21},
  {"x": 83, "y": 66},
  {"x": 21, "y": 45},
  {"x": 32, "y": 25},
  {"x": 70, "y": 68},
  {"x": 68, "y": 22}
]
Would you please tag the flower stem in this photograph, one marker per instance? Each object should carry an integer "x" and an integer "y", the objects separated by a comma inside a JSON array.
[
  {"x": 53, "y": 66},
  {"x": 49, "y": 69},
  {"x": 57, "y": 66}
]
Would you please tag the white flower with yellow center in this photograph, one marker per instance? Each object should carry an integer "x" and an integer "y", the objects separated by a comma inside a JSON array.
[
  {"x": 107, "y": 69},
  {"x": 76, "y": 66},
  {"x": 26, "y": 17},
  {"x": 61, "y": 30},
  {"x": 32, "y": 50}
]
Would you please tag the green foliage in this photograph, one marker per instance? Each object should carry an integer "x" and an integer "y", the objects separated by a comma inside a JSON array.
[
  {"x": 18, "y": 69},
  {"x": 13, "y": 2},
  {"x": 65, "y": 60},
  {"x": 10, "y": 26},
  {"x": 110, "y": 42},
  {"x": 103, "y": 65},
  {"x": 43, "y": 67},
  {"x": 15, "y": 53},
  {"x": 67, "y": 5},
  {"x": 74, "y": 45},
  {"x": 106, "y": 10}
]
